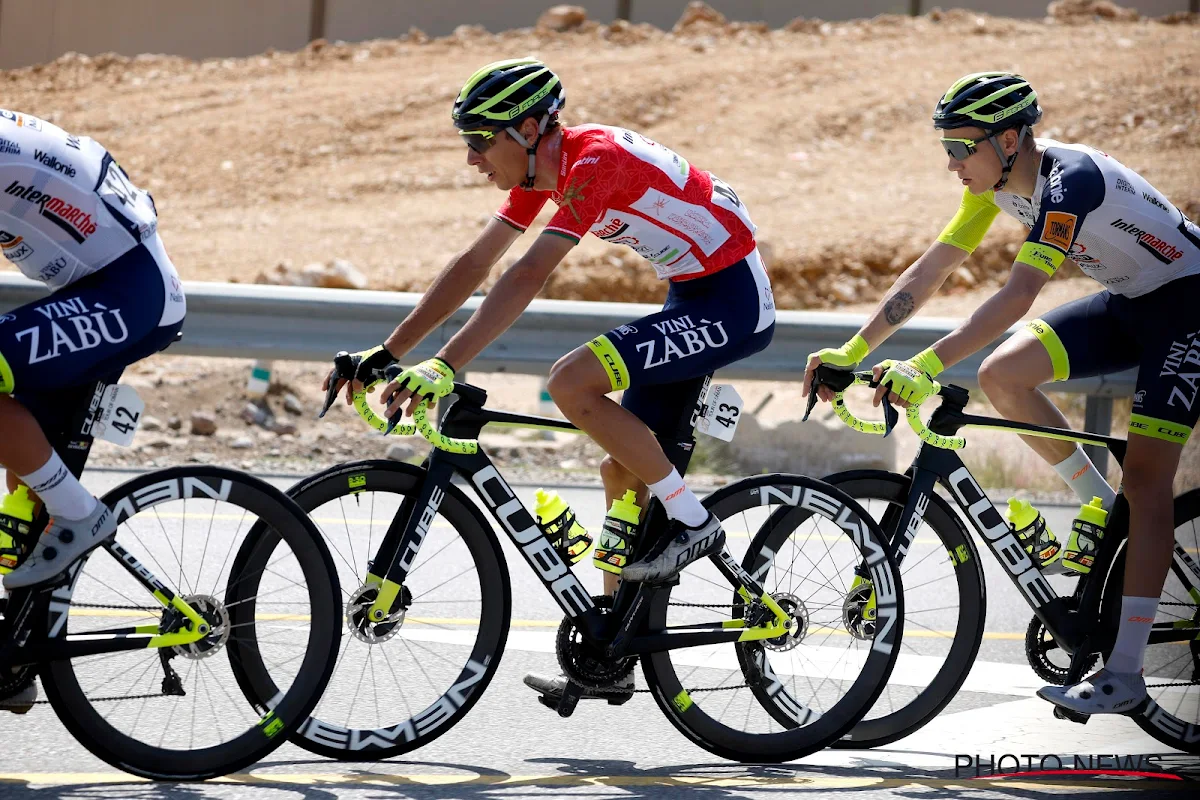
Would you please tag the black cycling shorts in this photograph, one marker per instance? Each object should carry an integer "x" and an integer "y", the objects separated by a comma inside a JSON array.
[
  {"x": 90, "y": 330},
  {"x": 707, "y": 323},
  {"x": 1159, "y": 333}
]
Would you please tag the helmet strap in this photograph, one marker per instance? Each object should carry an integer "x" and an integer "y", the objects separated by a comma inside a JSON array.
[
  {"x": 1007, "y": 161},
  {"x": 531, "y": 149}
]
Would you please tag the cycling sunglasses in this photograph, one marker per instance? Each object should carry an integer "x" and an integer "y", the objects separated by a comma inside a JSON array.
[
  {"x": 961, "y": 149},
  {"x": 480, "y": 141}
]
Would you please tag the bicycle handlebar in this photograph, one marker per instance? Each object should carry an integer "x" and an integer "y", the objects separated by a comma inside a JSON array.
[
  {"x": 344, "y": 368},
  {"x": 840, "y": 380}
]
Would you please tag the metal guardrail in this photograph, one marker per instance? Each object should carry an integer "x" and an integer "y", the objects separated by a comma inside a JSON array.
[{"x": 236, "y": 320}]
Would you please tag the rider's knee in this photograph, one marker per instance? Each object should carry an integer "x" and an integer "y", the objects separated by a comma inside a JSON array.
[
  {"x": 1000, "y": 374},
  {"x": 614, "y": 472},
  {"x": 1146, "y": 479}
]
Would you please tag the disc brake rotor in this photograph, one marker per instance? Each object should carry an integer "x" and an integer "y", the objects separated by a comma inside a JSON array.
[
  {"x": 216, "y": 615},
  {"x": 858, "y": 611},
  {"x": 358, "y": 608},
  {"x": 795, "y": 608}
]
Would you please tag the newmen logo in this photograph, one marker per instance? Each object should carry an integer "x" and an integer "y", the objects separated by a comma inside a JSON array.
[
  {"x": 78, "y": 224},
  {"x": 1162, "y": 250},
  {"x": 1059, "y": 229}
]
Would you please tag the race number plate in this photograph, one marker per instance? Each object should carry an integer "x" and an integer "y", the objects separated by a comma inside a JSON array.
[
  {"x": 722, "y": 412},
  {"x": 120, "y": 412}
]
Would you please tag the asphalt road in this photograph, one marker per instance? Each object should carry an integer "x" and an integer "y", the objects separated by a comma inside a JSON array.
[{"x": 511, "y": 746}]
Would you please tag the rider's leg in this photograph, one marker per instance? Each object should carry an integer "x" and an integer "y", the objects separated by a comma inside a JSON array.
[
  {"x": 579, "y": 385},
  {"x": 1010, "y": 378},
  {"x": 27, "y": 455}
]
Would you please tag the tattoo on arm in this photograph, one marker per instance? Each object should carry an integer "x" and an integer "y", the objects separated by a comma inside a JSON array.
[{"x": 898, "y": 308}]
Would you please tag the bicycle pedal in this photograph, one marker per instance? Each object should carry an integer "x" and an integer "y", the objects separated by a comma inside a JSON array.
[
  {"x": 569, "y": 699},
  {"x": 619, "y": 699},
  {"x": 1071, "y": 716}
]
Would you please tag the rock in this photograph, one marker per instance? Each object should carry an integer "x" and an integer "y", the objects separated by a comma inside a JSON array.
[
  {"x": 292, "y": 404},
  {"x": 699, "y": 15},
  {"x": 157, "y": 444},
  {"x": 1078, "y": 11},
  {"x": 417, "y": 36},
  {"x": 400, "y": 452},
  {"x": 575, "y": 463},
  {"x": 257, "y": 414},
  {"x": 203, "y": 423},
  {"x": 284, "y": 428},
  {"x": 337, "y": 274},
  {"x": 802, "y": 25},
  {"x": 201, "y": 457},
  {"x": 845, "y": 291},
  {"x": 562, "y": 18},
  {"x": 242, "y": 443},
  {"x": 151, "y": 424}
]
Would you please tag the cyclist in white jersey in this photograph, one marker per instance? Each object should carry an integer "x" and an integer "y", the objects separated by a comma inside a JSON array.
[
  {"x": 71, "y": 218},
  {"x": 1081, "y": 204}
]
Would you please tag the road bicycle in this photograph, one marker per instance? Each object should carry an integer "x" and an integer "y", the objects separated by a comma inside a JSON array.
[
  {"x": 944, "y": 583},
  {"x": 427, "y": 599},
  {"x": 178, "y": 655}
]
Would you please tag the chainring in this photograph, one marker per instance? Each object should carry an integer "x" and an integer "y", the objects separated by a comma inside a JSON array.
[
  {"x": 1038, "y": 647},
  {"x": 584, "y": 664}
]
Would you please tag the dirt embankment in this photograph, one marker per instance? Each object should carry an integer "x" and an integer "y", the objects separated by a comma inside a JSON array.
[{"x": 345, "y": 150}]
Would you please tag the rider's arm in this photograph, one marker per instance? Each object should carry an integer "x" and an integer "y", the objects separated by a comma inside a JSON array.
[
  {"x": 994, "y": 316},
  {"x": 925, "y": 277},
  {"x": 451, "y": 288},
  {"x": 507, "y": 299}
]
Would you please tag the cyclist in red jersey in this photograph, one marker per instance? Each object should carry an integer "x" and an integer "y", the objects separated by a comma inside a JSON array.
[{"x": 628, "y": 190}]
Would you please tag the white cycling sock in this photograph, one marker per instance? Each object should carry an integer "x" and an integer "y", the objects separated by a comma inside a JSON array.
[
  {"x": 1085, "y": 480},
  {"x": 63, "y": 494},
  {"x": 1137, "y": 617},
  {"x": 679, "y": 501}
]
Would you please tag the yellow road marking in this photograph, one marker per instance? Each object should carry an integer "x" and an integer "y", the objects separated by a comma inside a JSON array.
[{"x": 799, "y": 781}]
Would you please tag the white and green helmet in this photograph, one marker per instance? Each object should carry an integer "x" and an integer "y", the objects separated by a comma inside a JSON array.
[{"x": 501, "y": 95}]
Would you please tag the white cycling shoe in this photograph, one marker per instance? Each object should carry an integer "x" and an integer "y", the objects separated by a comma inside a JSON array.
[
  {"x": 685, "y": 546},
  {"x": 64, "y": 541},
  {"x": 1103, "y": 692}
]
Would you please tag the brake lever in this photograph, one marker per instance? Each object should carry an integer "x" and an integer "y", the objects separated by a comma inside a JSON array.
[
  {"x": 812, "y": 398},
  {"x": 890, "y": 416},
  {"x": 343, "y": 366}
]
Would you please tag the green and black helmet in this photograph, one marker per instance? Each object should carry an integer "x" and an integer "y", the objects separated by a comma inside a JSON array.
[
  {"x": 501, "y": 95},
  {"x": 995, "y": 102}
]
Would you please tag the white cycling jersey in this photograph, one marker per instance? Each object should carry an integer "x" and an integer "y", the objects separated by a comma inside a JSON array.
[
  {"x": 1094, "y": 210},
  {"x": 66, "y": 208}
]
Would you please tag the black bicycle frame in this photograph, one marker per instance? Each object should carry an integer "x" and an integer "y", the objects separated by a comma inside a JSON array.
[
  {"x": 1072, "y": 622},
  {"x": 615, "y": 631},
  {"x": 29, "y": 640}
]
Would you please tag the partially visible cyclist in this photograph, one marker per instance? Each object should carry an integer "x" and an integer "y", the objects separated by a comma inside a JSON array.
[
  {"x": 627, "y": 190},
  {"x": 71, "y": 218},
  {"x": 1080, "y": 204}
]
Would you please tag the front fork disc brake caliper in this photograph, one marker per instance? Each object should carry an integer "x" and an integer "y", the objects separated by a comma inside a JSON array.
[{"x": 859, "y": 612}]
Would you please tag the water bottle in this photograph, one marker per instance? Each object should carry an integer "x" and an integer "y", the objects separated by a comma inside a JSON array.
[
  {"x": 1086, "y": 532},
  {"x": 558, "y": 524},
  {"x": 1031, "y": 530},
  {"x": 16, "y": 516},
  {"x": 616, "y": 537}
]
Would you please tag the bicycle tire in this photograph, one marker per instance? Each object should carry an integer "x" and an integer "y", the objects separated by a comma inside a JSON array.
[
  {"x": 905, "y": 718},
  {"x": 287, "y": 709},
  {"x": 1159, "y": 719},
  {"x": 798, "y": 735},
  {"x": 400, "y": 735}
]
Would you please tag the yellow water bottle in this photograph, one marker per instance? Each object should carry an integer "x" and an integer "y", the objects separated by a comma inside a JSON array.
[
  {"x": 16, "y": 517},
  {"x": 1035, "y": 536},
  {"x": 558, "y": 523},
  {"x": 1086, "y": 532},
  {"x": 616, "y": 537}
]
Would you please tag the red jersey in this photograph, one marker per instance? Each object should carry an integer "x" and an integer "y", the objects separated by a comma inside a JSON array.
[{"x": 630, "y": 190}]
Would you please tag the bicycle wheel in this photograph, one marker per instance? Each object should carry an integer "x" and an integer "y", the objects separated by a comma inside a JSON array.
[
  {"x": 783, "y": 698},
  {"x": 1171, "y": 669},
  {"x": 944, "y": 609},
  {"x": 170, "y": 713},
  {"x": 400, "y": 684}
]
